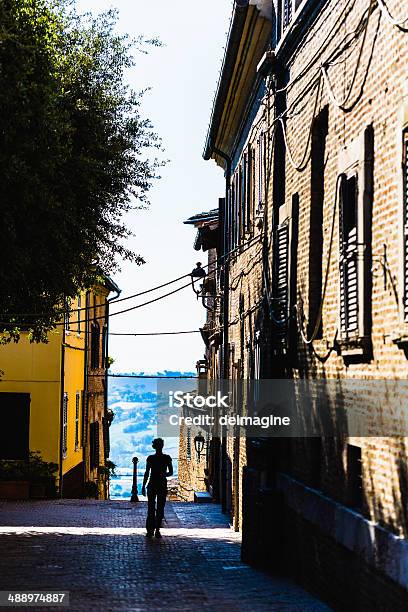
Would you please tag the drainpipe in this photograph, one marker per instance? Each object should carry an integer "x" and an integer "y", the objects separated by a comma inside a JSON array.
[
  {"x": 62, "y": 379},
  {"x": 225, "y": 309},
  {"x": 108, "y": 302},
  {"x": 85, "y": 411},
  {"x": 225, "y": 242}
]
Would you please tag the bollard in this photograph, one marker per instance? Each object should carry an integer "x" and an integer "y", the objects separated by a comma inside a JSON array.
[{"x": 134, "y": 497}]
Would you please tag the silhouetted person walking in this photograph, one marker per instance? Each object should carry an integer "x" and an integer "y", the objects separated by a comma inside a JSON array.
[{"x": 158, "y": 467}]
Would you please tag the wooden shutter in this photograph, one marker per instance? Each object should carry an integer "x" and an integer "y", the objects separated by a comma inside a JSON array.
[
  {"x": 65, "y": 425},
  {"x": 106, "y": 443},
  {"x": 240, "y": 197},
  {"x": 85, "y": 400},
  {"x": 244, "y": 199},
  {"x": 260, "y": 170},
  {"x": 248, "y": 195},
  {"x": 348, "y": 258},
  {"x": 287, "y": 13},
  {"x": 282, "y": 270},
  {"x": 94, "y": 445},
  {"x": 405, "y": 196},
  {"x": 77, "y": 400}
]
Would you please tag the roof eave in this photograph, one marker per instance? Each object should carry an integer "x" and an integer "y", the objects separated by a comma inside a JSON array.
[{"x": 231, "y": 50}]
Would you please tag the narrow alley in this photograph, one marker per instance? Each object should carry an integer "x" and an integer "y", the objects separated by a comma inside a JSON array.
[{"x": 98, "y": 552}]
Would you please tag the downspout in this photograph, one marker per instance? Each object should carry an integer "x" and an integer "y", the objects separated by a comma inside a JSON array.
[
  {"x": 85, "y": 411},
  {"x": 225, "y": 261},
  {"x": 62, "y": 382},
  {"x": 108, "y": 302},
  {"x": 225, "y": 316}
]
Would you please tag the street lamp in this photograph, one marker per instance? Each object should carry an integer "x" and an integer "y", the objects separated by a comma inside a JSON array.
[{"x": 199, "y": 444}]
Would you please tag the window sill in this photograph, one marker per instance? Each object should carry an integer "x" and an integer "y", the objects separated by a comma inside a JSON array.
[
  {"x": 400, "y": 336},
  {"x": 357, "y": 346}
]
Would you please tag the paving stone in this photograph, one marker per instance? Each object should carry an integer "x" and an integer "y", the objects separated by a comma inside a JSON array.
[{"x": 98, "y": 551}]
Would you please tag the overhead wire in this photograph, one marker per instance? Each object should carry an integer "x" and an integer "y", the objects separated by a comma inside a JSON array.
[{"x": 246, "y": 244}]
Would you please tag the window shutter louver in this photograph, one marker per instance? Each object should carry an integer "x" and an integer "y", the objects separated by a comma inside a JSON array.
[
  {"x": 249, "y": 190},
  {"x": 348, "y": 258},
  {"x": 280, "y": 309},
  {"x": 65, "y": 425},
  {"x": 84, "y": 418},
  {"x": 287, "y": 13},
  {"x": 405, "y": 196},
  {"x": 260, "y": 170},
  {"x": 106, "y": 444}
]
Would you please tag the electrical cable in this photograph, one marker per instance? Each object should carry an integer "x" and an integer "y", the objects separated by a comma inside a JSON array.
[
  {"x": 326, "y": 78},
  {"x": 316, "y": 327},
  {"x": 165, "y": 333},
  {"x": 248, "y": 243},
  {"x": 395, "y": 22}
]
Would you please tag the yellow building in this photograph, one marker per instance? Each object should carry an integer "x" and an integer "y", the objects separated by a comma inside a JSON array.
[{"x": 43, "y": 395}]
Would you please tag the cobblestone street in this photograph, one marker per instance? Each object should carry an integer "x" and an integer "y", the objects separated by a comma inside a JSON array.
[{"x": 98, "y": 552}]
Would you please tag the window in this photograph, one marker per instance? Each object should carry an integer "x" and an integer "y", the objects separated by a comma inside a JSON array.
[
  {"x": 282, "y": 272},
  {"x": 67, "y": 314},
  {"x": 319, "y": 134},
  {"x": 248, "y": 189},
  {"x": 105, "y": 431},
  {"x": 238, "y": 212},
  {"x": 84, "y": 419},
  {"x": 104, "y": 346},
  {"x": 287, "y": 10},
  {"x": 231, "y": 218},
  {"x": 95, "y": 346},
  {"x": 244, "y": 195},
  {"x": 348, "y": 258},
  {"x": 405, "y": 209},
  {"x": 79, "y": 313},
  {"x": 355, "y": 278},
  {"x": 188, "y": 444},
  {"x": 65, "y": 425},
  {"x": 287, "y": 13},
  {"x": 94, "y": 445},
  {"x": 15, "y": 426},
  {"x": 354, "y": 477},
  {"x": 77, "y": 402},
  {"x": 262, "y": 170}
]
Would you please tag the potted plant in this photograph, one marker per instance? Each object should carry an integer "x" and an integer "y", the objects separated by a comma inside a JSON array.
[
  {"x": 13, "y": 480},
  {"x": 23, "y": 479},
  {"x": 41, "y": 475},
  {"x": 91, "y": 489}
]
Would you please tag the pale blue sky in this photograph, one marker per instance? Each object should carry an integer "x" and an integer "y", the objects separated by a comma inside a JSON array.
[{"x": 183, "y": 75}]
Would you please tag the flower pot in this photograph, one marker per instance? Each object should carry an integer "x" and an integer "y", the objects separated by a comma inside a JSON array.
[{"x": 14, "y": 489}]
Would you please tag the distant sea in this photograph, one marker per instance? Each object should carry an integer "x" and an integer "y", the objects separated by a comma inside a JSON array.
[{"x": 134, "y": 403}]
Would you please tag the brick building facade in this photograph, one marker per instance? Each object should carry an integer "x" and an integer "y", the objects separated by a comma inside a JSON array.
[
  {"x": 310, "y": 125},
  {"x": 96, "y": 416},
  {"x": 196, "y": 470}
]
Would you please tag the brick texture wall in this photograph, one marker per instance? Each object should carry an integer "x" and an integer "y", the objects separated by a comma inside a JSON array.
[{"x": 366, "y": 56}]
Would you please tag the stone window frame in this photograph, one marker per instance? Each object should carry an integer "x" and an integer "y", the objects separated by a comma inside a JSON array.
[
  {"x": 400, "y": 335},
  {"x": 356, "y": 158}
]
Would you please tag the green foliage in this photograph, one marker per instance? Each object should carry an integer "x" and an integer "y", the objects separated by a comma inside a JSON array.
[
  {"x": 91, "y": 489},
  {"x": 35, "y": 470},
  {"x": 108, "y": 469},
  {"x": 75, "y": 155}
]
